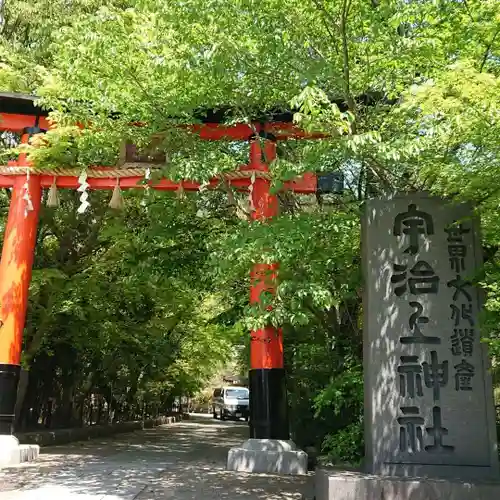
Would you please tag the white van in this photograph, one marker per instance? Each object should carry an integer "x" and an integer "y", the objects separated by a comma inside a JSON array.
[{"x": 231, "y": 402}]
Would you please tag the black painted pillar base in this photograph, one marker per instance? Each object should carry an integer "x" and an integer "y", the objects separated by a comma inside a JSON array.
[
  {"x": 9, "y": 380},
  {"x": 268, "y": 404}
]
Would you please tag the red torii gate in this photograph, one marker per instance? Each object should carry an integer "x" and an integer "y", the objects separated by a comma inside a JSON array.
[{"x": 18, "y": 114}]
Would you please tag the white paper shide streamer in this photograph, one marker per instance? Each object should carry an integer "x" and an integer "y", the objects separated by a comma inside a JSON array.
[
  {"x": 26, "y": 195},
  {"x": 203, "y": 186},
  {"x": 84, "y": 185},
  {"x": 250, "y": 191}
]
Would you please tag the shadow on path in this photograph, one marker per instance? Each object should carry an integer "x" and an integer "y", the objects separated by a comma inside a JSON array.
[{"x": 180, "y": 461}]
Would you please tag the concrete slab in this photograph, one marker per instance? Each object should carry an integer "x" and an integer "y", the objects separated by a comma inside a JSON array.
[
  {"x": 13, "y": 453},
  {"x": 333, "y": 484},
  {"x": 268, "y": 456}
]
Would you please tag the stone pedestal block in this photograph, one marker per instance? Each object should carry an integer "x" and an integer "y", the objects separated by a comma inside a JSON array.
[
  {"x": 13, "y": 453},
  {"x": 268, "y": 456},
  {"x": 342, "y": 485}
]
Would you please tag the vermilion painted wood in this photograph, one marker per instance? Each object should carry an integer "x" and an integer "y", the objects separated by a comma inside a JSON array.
[
  {"x": 243, "y": 132},
  {"x": 20, "y": 232},
  {"x": 15, "y": 267},
  {"x": 266, "y": 346},
  {"x": 17, "y": 123},
  {"x": 209, "y": 131},
  {"x": 306, "y": 185}
]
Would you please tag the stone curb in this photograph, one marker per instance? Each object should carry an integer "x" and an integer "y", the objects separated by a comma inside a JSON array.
[{"x": 64, "y": 436}]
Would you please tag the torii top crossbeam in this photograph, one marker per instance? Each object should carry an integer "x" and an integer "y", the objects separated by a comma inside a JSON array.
[{"x": 19, "y": 114}]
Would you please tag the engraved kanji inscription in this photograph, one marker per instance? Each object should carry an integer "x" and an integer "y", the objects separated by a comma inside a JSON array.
[
  {"x": 411, "y": 430},
  {"x": 417, "y": 319},
  {"x": 463, "y": 313},
  {"x": 413, "y": 223},
  {"x": 460, "y": 288},
  {"x": 464, "y": 372},
  {"x": 438, "y": 432},
  {"x": 457, "y": 255},
  {"x": 456, "y": 232},
  {"x": 462, "y": 342},
  {"x": 410, "y": 377},
  {"x": 435, "y": 375},
  {"x": 423, "y": 279},
  {"x": 411, "y": 438}
]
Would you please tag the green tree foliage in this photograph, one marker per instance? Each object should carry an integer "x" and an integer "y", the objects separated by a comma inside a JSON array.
[
  {"x": 121, "y": 316},
  {"x": 407, "y": 92}
]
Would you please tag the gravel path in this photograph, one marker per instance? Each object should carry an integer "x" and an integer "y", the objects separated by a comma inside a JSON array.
[{"x": 180, "y": 461}]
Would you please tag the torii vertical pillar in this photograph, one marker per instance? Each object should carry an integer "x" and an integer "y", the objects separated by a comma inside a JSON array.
[
  {"x": 15, "y": 276},
  {"x": 268, "y": 397},
  {"x": 269, "y": 449}
]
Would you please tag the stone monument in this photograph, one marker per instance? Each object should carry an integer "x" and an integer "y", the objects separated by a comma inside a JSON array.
[{"x": 428, "y": 397}]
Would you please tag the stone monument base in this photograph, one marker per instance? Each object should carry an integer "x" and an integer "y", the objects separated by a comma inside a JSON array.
[
  {"x": 331, "y": 484},
  {"x": 13, "y": 453},
  {"x": 268, "y": 456}
]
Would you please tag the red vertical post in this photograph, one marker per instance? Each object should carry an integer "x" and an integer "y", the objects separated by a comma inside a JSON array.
[
  {"x": 15, "y": 275},
  {"x": 268, "y": 400}
]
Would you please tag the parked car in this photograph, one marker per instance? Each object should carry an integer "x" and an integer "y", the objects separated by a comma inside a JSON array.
[{"x": 231, "y": 402}]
